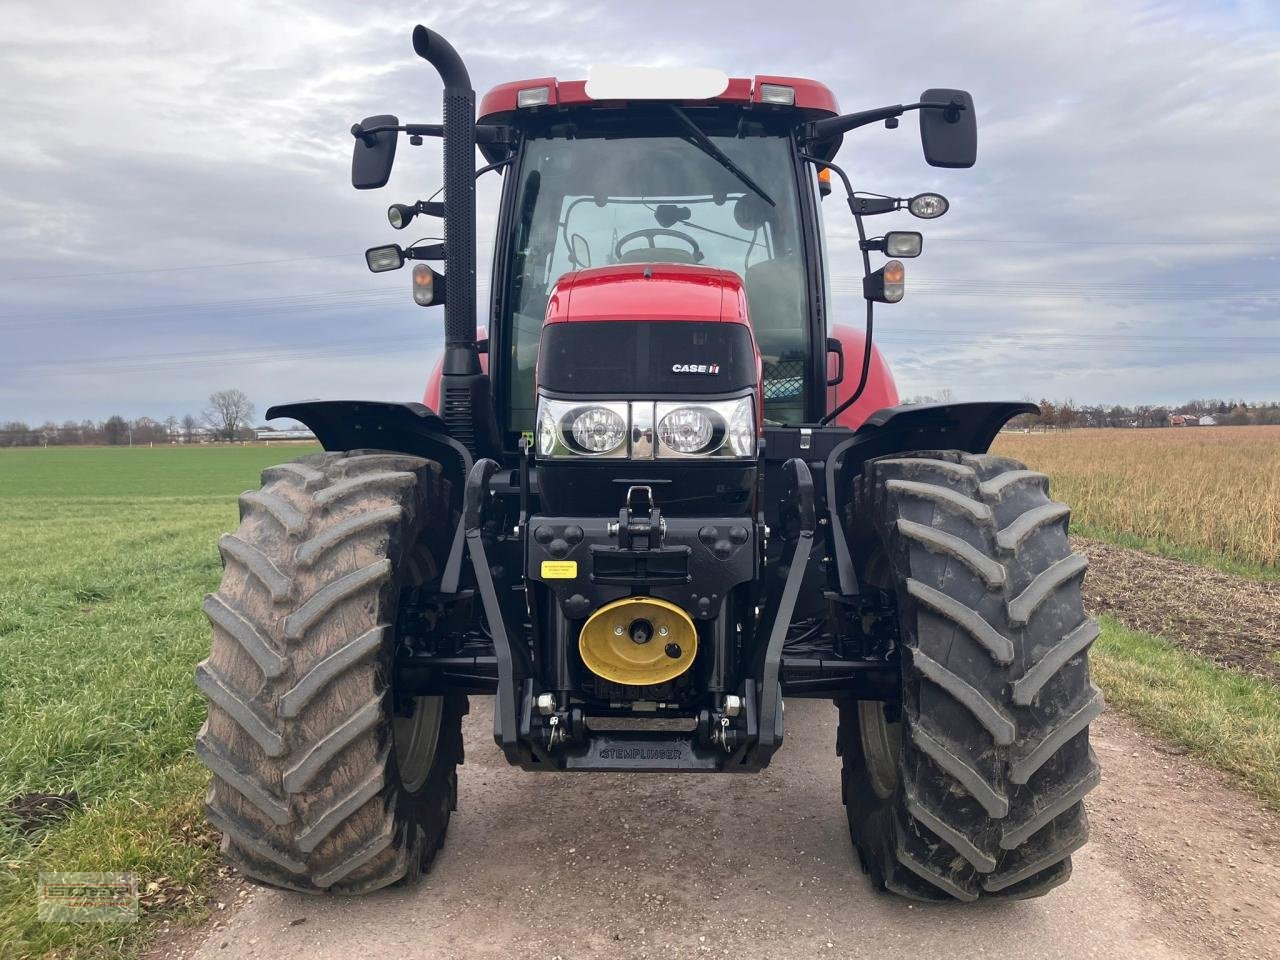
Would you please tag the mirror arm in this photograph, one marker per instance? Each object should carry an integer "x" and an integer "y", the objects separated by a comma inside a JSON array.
[
  {"x": 496, "y": 165},
  {"x": 866, "y": 271},
  {"x": 834, "y": 126},
  {"x": 817, "y": 130},
  {"x": 827, "y": 164},
  {"x": 485, "y": 132},
  {"x": 429, "y": 251},
  {"x": 858, "y": 206}
]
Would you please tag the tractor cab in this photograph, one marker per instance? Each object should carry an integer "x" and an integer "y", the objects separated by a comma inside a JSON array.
[
  {"x": 648, "y": 166},
  {"x": 598, "y": 183}
]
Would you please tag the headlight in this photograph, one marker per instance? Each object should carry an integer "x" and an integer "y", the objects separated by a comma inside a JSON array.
[
  {"x": 547, "y": 436},
  {"x": 645, "y": 430},
  {"x": 686, "y": 430},
  {"x": 742, "y": 430},
  {"x": 569, "y": 428},
  {"x": 719, "y": 428},
  {"x": 597, "y": 429}
]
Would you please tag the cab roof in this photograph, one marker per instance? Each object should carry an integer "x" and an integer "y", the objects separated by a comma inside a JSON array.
[{"x": 812, "y": 100}]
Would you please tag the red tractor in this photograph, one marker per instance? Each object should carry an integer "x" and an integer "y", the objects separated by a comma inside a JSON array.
[{"x": 665, "y": 494}]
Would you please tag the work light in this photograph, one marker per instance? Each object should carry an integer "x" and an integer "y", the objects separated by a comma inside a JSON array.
[
  {"x": 382, "y": 259},
  {"x": 399, "y": 215},
  {"x": 903, "y": 243},
  {"x": 777, "y": 93},
  {"x": 533, "y": 96},
  {"x": 928, "y": 206}
]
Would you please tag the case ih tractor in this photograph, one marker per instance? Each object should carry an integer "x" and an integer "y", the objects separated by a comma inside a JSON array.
[{"x": 664, "y": 495}]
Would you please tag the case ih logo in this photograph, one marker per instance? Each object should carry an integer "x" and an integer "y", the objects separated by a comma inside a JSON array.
[{"x": 704, "y": 368}]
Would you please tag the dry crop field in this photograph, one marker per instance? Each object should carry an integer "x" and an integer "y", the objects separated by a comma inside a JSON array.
[{"x": 1204, "y": 493}]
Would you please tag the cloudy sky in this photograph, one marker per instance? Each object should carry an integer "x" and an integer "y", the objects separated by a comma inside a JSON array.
[{"x": 176, "y": 214}]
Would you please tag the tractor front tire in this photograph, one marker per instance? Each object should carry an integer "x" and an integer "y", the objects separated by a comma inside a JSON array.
[
  {"x": 972, "y": 785},
  {"x": 322, "y": 779}
]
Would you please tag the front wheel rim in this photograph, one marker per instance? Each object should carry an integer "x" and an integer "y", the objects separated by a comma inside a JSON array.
[
  {"x": 881, "y": 744},
  {"x": 417, "y": 737}
]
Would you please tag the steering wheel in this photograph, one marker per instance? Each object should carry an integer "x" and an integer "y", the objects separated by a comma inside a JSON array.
[{"x": 651, "y": 234}]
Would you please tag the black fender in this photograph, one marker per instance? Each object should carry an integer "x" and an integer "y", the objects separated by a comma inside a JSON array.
[
  {"x": 367, "y": 424},
  {"x": 937, "y": 426}
]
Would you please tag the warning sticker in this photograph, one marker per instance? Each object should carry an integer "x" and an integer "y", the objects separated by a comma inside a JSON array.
[{"x": 559, "y": 569}]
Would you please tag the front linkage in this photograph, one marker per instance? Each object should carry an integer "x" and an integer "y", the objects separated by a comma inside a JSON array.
[{"x": 520, "y": 649}]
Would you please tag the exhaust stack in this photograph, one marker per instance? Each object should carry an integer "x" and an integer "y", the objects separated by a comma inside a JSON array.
[
  {"x": 466, "y": 398},
  {"x": 459, "y": 201}
]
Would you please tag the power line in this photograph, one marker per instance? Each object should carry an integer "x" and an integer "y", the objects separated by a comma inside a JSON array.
[
  {"x": 1086, "y": 343},
  {"x": 1267, "y": 242},
  {"x": 194, "y": 266},
  {"x": 213, "y": 358},
  {"x": 962, "y": 286},
  {"x": 1034, "y": 241},
  {"x": 282, "y": 302}
]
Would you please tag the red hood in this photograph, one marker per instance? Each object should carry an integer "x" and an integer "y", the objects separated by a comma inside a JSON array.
[{"x": 649, "y": 291}]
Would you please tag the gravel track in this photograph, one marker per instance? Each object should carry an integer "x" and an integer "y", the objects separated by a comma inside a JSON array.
[{"x": 1181, "y": 865}]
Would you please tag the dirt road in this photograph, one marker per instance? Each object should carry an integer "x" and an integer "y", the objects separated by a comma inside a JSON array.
[{"x": 655, "y": 866}]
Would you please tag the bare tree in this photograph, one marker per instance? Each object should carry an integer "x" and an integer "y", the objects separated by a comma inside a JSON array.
[
  {"x": 189, "y": 426},
  {"x": 70, "y": 432},
  {"x": 15, "y": 433},
  {"x": 1048, "y": 413},
  {"x": 228, "y": 411}
]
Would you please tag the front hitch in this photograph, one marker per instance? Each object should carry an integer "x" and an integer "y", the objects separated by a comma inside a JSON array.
[{"x": 799, "y": 513}]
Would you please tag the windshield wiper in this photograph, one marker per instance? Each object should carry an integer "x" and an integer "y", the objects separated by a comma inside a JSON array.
[{"x": 707, "y": 146}]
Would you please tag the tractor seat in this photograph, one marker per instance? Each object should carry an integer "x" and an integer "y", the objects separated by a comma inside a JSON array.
[
  {"x": 657, "y": 255},
  {"x": 775, "y": 297}
]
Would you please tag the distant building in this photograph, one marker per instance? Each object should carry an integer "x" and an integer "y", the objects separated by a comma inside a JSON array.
[
  {"x": 1208, "y": 421},
  {"x": 198, "y": 435},
  {"x": 269, "y": 433}
]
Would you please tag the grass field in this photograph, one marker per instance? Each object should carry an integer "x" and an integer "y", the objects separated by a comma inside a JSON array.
[
  {"x": 1230, "y": 719},
  {"x": 1207, "y": 494},
  {"x": 104, "y": 555}
]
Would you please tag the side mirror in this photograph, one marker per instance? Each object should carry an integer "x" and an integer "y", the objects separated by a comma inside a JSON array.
[
  {"x": 949, "y": 135},
  {"x": 374, "y": 153}
]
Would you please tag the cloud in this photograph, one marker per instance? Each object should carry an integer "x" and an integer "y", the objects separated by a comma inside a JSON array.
[{"x": 1116, "y": 242}]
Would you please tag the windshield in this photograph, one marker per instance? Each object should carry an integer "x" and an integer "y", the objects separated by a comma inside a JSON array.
[{"x": 599, "y": 200}]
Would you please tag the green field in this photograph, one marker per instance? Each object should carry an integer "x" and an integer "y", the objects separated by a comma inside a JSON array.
[
  {"x": 104, "y": 556},
  {"x": 1227, "y": 718}
]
